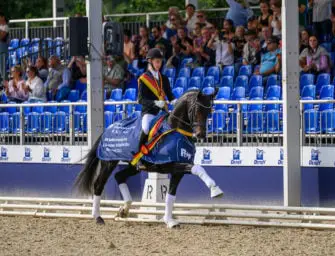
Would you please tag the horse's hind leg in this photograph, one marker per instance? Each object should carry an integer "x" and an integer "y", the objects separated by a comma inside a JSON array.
[
  {"x": 210, "y": 183},
  {"x": 121, "y": 178},
  {"x": 170, "y": 199},
  {"x": 99, "y": 184}
]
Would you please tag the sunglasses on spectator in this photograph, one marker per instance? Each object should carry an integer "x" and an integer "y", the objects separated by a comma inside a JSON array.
[{"x": 200, "y": 16}]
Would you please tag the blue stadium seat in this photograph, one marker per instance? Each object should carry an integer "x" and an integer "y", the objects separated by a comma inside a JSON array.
[
  {"x": 108, "y": 118},
  {"x": 62, "y": 93},
  {"x": 185, "y": 72},
  {"x": 309, "y": 91},
  {"x": 116, "y": 95},
  {"x": 24, "y": 47},
  {"x": 80, "y": 122},
  {"x": 58, "y": 44},
  {"x": 227, "y": 81},
  {"x": 245, "y": 70},
  {"x": 326, "y": 106},
  {"x": 255, "y": 121},
  {"x": 181, "y": 82},
  {"x": 312, "y": 124},
  {"x": 215, "y": 72},
  {"x": 170, "y": 72},
  {"x": 219, "y": 121},
  {"x": 110, "y": 108},
  {"x": 238, "y": 93},
  {"x": 242, "y": 81},
  {"x": 327, "y": 46},
  {"x": 4, "y": 122},
  {"x": 61, "y": 122},
  {"x": 306, "y": 79},
  {"x": 328, "y": 121},
  {"x": 255, "y": 107},
  {"x": 12, "y": 110},
  {"x": 33, "y": 125},
  {"x": 14, "y": 43},
  {"x": 80, "y": 86},
  {"x": 274, "y": 91},
  {"x": 332, "y": 56},
  {"x": 195, "y": 83},
  {"x": 65, "y": 109},
  {"x": 14, "y": 122},
  {"x": 47, "y": 44},
  {"x": 256, "y": 92},
  {"x": 81, "y": 108},
  {"x": 130, "y": 94},
  {"x": 255, "y": 80},
  {"x": 272, "y": 121},
  {"x": 223, "y": 94},
  {"x": 322, "y": 79},
  {"x": 198, "y": 72},
  {"x": 327, "y": 91},
  {"x": 178, "y": 92},
  {"x": 208, "y": 90},
  {"x": 185, "y": 62},
  {"x": 83, "y": 96},
  {"x": 51, "y": 109},
  {"x": 272, "y": 80},
  {"x": 308, "y": 106},
  {"x": 3, "y": 98},
  {"x": 269, "y": 107},
  {"x": 37, "y": 109},
  {"x": 47, "y": 120},
  {"x": 208, "y": 81},
  {"x": 228, "y": 71},
  {"x": 73, "y": 95},
  {"x": 171, "y": 81}
]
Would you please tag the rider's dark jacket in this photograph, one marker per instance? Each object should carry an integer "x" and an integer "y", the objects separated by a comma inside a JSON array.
[{"x": 146, "y": 97}]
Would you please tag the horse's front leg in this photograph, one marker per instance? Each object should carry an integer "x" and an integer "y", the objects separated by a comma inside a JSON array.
[
  {"x": 199, "y": 171},
  {"x": 121, "y": 178},
  {"x": 170, "y": 200},
  {"x": 105, "y": 171}
]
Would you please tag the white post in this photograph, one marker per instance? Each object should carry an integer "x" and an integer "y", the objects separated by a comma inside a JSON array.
[
  {"x": 27, "y": 29},
  {"x": 291, "y": 95},
  {"x": 95, "y": 100},
  {"x": 54, "y": 12}
]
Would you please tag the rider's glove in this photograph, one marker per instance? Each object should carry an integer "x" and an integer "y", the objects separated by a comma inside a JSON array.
[{"x": 160, "y": 103}]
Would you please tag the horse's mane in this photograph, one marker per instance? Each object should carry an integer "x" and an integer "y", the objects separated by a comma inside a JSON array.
[{"x": 187, "y": 95}]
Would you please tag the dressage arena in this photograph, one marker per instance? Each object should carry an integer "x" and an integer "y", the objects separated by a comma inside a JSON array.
[{"x": 64, "y": 227}]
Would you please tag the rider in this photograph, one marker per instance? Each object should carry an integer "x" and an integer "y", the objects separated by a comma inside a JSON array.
[{"x": 153, "y": 89}]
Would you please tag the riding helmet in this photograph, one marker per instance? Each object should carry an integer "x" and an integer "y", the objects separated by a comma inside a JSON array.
[{"x": 154, "y": 53}]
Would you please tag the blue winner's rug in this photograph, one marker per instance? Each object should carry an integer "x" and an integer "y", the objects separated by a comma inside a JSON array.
[{"x": 120, "y": 141}]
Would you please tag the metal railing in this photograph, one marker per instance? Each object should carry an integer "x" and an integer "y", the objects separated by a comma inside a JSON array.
[{"x": 317, "y": 123}]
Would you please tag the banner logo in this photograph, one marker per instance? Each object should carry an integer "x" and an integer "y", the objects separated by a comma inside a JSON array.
[
  {"x": 46, "y": 155},
  {"x": 259, "y": 157},
  {"x": 315, "y": 157},
  {"x": 236, "y": 157},
  {"x": 281, "y": 157},
  {"x": 4, "y": 156},
  {"x": 206, "y": 156},
  {"x": 66, "y": 155},
  {"x": 27, "y": 154}
]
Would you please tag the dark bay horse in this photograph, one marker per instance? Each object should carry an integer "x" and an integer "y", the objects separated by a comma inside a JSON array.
[{"x": 190, "y": 114}]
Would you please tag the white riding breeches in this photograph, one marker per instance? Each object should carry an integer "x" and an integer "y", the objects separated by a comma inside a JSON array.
[{"x": 146, "y": 120}]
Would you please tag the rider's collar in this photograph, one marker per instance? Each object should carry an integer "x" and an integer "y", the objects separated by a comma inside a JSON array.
[{"x": 154, "y": 73}]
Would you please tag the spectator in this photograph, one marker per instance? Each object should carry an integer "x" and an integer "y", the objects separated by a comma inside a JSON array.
[
  {"x": 239, "y": 43},
  {"x": 224, "y": 51},
  {"x": 205, "y": 54},
  {"x": 183, "y": 43},
  {"x": 304, "y": 40},
  {"x": 77, "y": 66},
  {"x": 58, "y": 80},
  {"x": 264, "y": 20},
  {"x": 158, "y": 39},
  {"x": 34, "y": 85},
  {"x": 191, "y": 18},
  {"x": 114, "y": 76},
  {"x": 142, "y": 42},
  {"x": 302, "y": 14},
  {"x": 276, "y": 19},
  {"x": 322, "y": 25},
  {"x": 128, "y": 46},
  {"x": 228, "y": 29},
  {"x": 172, "y": 30},
  {"x": 253, "y": 24},
  {"x": 15, "y": 88},
  {"x": 3, "y": 44},
  {"x": 239, "y": 12},
  {"x": 201, "y": 15},
  {"x": 42, "y": 67},
  {"x": 266, "y": 35},
  {"x": 315, "y": 59},
  {"x": 270, "y": 62},
  {"x": 252, "y": 49},
  {"x": 197, "y": 39},
  {"x": 239, "y": 32},
  {"x": 174, "y": 11}
]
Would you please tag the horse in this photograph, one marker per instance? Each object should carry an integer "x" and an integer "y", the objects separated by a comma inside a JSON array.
[{"x": 189, "y": 114}]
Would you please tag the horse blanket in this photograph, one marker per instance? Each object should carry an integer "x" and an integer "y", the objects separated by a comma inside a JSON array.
[{"x": 120, "y": 142}]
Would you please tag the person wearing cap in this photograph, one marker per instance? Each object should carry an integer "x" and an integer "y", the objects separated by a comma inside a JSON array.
[
  {"x": 270, "y": 62},
  {"x": 153, "y": 89},
  {"x": 113, "y": 76},
  {"x": 191, "y": 18}
]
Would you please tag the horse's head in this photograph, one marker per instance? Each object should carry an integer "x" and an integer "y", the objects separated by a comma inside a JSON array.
[{"x": 191, "y": 113}]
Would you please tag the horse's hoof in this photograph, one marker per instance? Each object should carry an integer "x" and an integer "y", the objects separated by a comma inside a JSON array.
[
  {"x": 172, "y": 223},
  {"x": 100, "y": 221},
  {"x": 123, "y": 213},
  {"x": 216, "y": 192}
]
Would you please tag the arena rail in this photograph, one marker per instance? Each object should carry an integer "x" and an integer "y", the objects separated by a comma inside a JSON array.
[{"x": 203, "y": 214}]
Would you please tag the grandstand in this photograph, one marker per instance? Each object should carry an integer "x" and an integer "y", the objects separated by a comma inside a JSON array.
[{"x": 246, "y": 125}]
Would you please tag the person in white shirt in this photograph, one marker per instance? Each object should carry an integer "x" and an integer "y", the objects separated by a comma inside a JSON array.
[
  {"x": 34, "y": 85},
  {"x": 15, "y": 88},
  {"x": 224, "y": 49},
  {"x": 322, "y": 25},
  {"x": 191, "y": 18}
]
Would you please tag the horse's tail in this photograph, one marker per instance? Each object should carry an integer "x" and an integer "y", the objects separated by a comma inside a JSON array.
[{"x": 84, "y": 180}]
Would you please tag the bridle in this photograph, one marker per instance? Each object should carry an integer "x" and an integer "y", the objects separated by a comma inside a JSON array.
[{"x": 192, "y": 115}]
